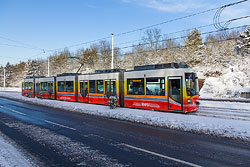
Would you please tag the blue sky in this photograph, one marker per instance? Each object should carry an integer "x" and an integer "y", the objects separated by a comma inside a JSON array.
[{"x": 28, "y": 26}]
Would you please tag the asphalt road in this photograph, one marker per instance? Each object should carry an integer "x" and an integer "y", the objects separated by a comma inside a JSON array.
[{"x": 60, "y": 138}]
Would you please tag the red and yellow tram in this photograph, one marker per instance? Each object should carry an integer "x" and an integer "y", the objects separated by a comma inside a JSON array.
[{"x": 165, "y": 87}]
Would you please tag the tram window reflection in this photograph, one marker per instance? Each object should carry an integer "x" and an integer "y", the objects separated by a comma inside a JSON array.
[
  {"x": 92, "y": 86},
  {"x": 99, "y": 86},
  {"x": 69, "y": 86},
  {"x": 155, "y": 86},
  {"x": 135, "y": 86},
  {"x": 60, "y": 86}
]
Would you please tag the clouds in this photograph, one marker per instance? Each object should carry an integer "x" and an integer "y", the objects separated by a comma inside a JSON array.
[
  {"x": 174, "y": 6},
  {"x": 194, "y": 6},
  {"x": 170, "y": 5},
  {"x": 177, "y": 6}
]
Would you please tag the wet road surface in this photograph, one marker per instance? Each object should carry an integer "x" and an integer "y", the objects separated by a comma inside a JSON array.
[{"x": 61, "y": 138}]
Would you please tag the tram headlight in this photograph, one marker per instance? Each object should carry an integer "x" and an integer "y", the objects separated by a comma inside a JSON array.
[{"x": 189, "y": 100}]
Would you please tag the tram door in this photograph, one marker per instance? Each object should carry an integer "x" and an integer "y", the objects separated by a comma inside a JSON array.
[
  {"x": 84, "y": 91},
  {"x": 37, "y": 88},
  {"x": 110, "y": 89},
  {"x": 175, "y": 95},
  {"x": 50, "y": 88}
]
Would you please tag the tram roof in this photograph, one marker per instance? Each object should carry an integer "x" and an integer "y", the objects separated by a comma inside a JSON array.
[
  {"x": 67, "y": 74},
  {"x": 109, "y": 70},
  {"x": 30, "y": 77},
  {"x": 160, "y": 66}
]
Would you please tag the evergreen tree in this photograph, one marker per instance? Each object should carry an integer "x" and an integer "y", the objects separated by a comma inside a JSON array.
[
  {"x": 243, "y": 44},
  {"x": 194, "y": 40},
  {"x": 193, "y": 48},
  {"x": 32, "y": 68},
  {"x": 8, "y": 74},
  {"x": 1, "y": 76}
]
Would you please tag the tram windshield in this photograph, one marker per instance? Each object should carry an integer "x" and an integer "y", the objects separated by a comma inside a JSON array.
[{"x": 191, "y": 84}]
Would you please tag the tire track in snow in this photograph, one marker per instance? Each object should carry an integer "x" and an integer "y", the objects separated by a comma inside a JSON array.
[{"x": 76, "y": 152}]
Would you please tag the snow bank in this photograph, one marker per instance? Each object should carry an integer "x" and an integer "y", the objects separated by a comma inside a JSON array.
[
  {"x": 10, "y": 155},
  {"x": 235, "y": 79},
  {"x": 232, "y": 128},
  {"x": 10, "y": 89}
]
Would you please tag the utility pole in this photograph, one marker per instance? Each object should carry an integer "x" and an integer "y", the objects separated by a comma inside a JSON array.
[
  {"x": 48, "y": 66},
  {"x": 112, "y": 60},
  {"x": 4, "y": 78}
]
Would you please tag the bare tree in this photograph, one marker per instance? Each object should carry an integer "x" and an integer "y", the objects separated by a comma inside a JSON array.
[
  {"x": 152, "y": 44},
  {"x": 105, "y": 54}
]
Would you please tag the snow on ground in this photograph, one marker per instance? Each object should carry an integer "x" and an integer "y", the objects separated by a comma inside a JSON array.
[
  {"x": 193, "y": 122},
  {"x": 76, "y": 152},
  {"x": 10, "y": 155}
]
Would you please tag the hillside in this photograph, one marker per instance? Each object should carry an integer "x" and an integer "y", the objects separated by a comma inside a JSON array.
[{"x": 222, "y": 60}]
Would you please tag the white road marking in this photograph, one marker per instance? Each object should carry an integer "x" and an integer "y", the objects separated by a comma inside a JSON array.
[
  {"x": 59, "y": 125},
  {"x": 160, "y": 155},
  {"x": 12, "y": 110}
]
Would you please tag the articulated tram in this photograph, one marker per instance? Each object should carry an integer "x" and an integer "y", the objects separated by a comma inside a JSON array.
[{"x": 166, "y": 87}]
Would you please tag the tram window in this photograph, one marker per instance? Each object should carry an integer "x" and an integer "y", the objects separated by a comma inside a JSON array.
[
  {"x": 107, "y": 84},
  {"x": 37, "y": 87},
  {"x": 69, "y": 86},
  {"x": 155, "y": 86},
  {"x": 60, "y": 86},
  {"x": 113, "y": 88},
  {"x": 86, "y": 88},
  {"x": 135, "y": 86},
  {"x": 191, "y": 84},
  {"x": 44, "y": 86},
  {"x": 92, "y": 86},
  {"x": 175, "y": 89},
  {"x": 30, "y": 85},
  {"x": 26, "y": 86},
  {"x": 99, "y": 86},
  {"x": 51, "y": 87}
]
